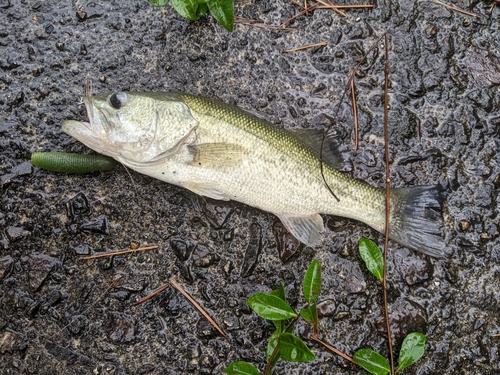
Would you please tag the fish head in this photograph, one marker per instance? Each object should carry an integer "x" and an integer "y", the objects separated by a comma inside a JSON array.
[{"x": 132, "y": 127}]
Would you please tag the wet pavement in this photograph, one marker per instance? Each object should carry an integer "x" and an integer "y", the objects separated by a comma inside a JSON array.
[{"x": 60, "y": 314}]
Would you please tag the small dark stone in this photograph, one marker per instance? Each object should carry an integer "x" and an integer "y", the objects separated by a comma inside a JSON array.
[
  {"x": 64, "y": 354},
  {"x": 135, "y": 286},
  {"x": 180, "y": 249},
  {"x": 83, "y": 49},
  {"x": 16, "y": 233},
  {"x": 253, "y": 250},
  {"x": 94, "y": 10},
  {"x": 5, "y": 126},
  {"x": 5, "y": 266},
  {"x": 77, "y": 324},
  {"x": 22, "y": 169},
  {"x": 82, "y": 250},
  {"x": 10, "y": 341},
  {"x": 37, "y": 5},
  {"x": 203, "y": 256},
  {"x": 49, "y": 29},
  {"x": 229, "y": 235},
  {"x": 121, "y": 327},
  {"x": 40, "y": 266},
  {"x": 326, "y": 308},
  {"x": 484, "y": 67},
  {"x": 217, "y": 212},
  {"x": 185, "y": 272},
  {"x": 81, "y": 15},
  {"x": 60, "y": 46},
  {"x": 413, "y": 268},
  {"x": 145, "y": 369},
  {"x": 99, "y": 226},
  {"x": 341, "y": 274},
  {"x": 205, "y": 329},
  {"x": 405, "y": 317},
  {"x": 287, "y": 244},
  {"x": 78, "y": 205},
  {"x": 228, "y": 267},
  {"x": 31, "y": 53},
  {"x": 18, "y": 100},
  {"x": 37, "y": 71},
  {"x": 464, "y": 225}
]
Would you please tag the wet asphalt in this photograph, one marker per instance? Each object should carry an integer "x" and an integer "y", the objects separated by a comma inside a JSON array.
[{"x": 60, "y": 314}]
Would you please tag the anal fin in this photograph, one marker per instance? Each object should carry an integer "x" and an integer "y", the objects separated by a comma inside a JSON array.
[{"x": 307, "y": 229}]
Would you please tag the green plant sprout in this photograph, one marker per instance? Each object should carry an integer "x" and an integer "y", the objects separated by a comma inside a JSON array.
[
  {"x": 283, "y": 344},
  {"x": 273, "y": 306},
  {"x": 412, "y": 348},
  {"x": 221, "y": 10}
]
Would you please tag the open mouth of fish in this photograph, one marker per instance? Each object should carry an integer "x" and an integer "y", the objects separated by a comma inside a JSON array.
[{"x": 91, "y": 133}]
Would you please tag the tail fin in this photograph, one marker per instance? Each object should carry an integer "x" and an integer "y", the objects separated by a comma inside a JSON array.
[{"x": 416, "y": 219}]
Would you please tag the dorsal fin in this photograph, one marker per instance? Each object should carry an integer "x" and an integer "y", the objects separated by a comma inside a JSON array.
[{"x": 313, "y": 139}]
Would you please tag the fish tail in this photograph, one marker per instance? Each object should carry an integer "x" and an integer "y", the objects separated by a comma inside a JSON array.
[{"x": 416, "y": 219}]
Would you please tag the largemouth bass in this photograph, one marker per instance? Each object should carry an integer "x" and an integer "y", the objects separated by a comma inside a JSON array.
[{"x": 223, "y": 152}]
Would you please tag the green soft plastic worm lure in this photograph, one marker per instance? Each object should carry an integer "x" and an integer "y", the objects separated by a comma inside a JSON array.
[{"x": 65, "y": 162}]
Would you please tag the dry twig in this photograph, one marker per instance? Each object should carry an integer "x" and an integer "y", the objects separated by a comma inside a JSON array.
[
  {"x": 151, "y": 295},
  {"x": 198, "y": 307},
  {"x": 387, "y": 199},
  {"x": 121, "y": 252},
  {"x": 355, "y": 115},
  {"x": 323, "y": 43},
  {"x": 331, "y": 348},
  {"x": 457, "y": 9}
]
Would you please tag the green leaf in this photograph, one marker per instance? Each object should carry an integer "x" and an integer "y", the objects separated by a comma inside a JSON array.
[
  {"x": 158, "y": 3},
  {"x": 186, "y": 8},
  {"x": 310, "y": 315},
  {"x": 223, "y": 12},
  {"x": 241, "y": 368},
  {"x": 280, "y": 292},
  {"x": 271, "y": 345},
  {"x": 293, "y": 349},
  {"x": 372, "y": 362},
  {"x": 270, "y": 307},
  {"x": 372, "y": 256},
  {"x": 312, "y": 282},
  {"x": 202, "y": 9},
  {"x": 412, "y": 350}
]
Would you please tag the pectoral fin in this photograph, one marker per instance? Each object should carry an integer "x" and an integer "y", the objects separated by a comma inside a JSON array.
[
  {"x": 205, "y": 189},
  {"x": 307, "y": 229},
  {"x": 213, "y": 155}
]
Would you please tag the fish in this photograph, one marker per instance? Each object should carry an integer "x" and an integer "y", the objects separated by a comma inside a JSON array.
[{"x": 223, "y": 152}]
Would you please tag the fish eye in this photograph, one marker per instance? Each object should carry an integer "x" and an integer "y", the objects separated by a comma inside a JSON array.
[{"x": 117, "y": 100}]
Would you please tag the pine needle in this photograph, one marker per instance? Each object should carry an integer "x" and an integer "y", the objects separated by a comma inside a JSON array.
[
  {"x": 323, "y": 43},
  {"x": 120, "y": 252},
  {"x": 198, "y": 307}
]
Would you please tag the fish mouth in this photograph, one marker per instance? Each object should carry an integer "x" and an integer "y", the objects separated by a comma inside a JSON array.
[{"x": 92, "y": 133}]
